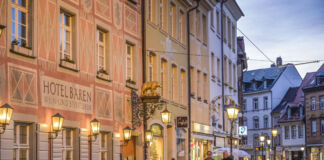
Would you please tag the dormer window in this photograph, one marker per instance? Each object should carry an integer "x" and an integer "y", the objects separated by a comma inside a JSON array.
[
  {"x": 289, "y": 112},
  {"x": 300, "y": 111},
  {"x": 265, "y": 85}
]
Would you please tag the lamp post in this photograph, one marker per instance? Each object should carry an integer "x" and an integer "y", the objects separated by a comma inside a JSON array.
[
  {"x": 262, "y": 138},
  {"x": 302, "y": 149},
  {"x": 57, "y": 123},
  {"x": 268, "y": 143},
  {"x": 95, "y": 130},
  {"x": 274, "y": 132},
  {"x": 232, "y": 113}
]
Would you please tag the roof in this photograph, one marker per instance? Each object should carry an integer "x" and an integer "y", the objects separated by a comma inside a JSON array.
[
  {"x": 312, "y": 83},
  {"x": 289, "y": 97},
  {"x": 260, "y": 75}
]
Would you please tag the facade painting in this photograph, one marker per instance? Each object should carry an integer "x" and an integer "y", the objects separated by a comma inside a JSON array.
[{"x": 104, "y": 104}]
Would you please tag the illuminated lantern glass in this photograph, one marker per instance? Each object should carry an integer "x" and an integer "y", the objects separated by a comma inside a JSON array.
[
  {"x": 166, "y": 116},
  {"x": 302, "y": 148},
  {"x": 57, "y": 122},
  {"x": 127, "y": 133},
  {"x": 274, "y": 132},
  {"x": 2, "y": 27},
  {"x": 268, "y": 141},
  {"x": 262, "y": 138},
  {"x": 95, "y": 127},
  {"x": 232, "y": 112},
  {"x": 148, "y": 136},
  {"x": 5, "y": 114}
]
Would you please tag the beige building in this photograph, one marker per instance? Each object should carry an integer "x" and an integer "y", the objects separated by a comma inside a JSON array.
[{"x": 166, "y": 62}]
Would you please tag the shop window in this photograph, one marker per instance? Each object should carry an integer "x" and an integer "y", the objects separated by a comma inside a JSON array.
[
  {"x": 180, "y": 144},
  {"x": 22, "y": 147},
  {"x": 157, "y": 142}
]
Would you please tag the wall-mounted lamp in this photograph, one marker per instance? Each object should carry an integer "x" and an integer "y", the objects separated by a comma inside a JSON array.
[
  {"x": 148, "y": 136},
  {"x": 57, "y": 123},
  {"x": 2, "y": 27},
  {"x": 127, "y": 131},
  {"x": 95, "y": 128},
  {"x": 166, "y": 116},
  {"x": 5, "y": 116}
]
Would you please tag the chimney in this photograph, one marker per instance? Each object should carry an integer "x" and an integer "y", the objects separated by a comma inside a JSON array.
[
  {"x": 273, "y": 65},
  {"x": 279, "y": 61}
]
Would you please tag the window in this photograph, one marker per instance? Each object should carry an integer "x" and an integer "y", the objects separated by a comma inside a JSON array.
[
  {"x": 255, "y": 104},
  {"x": 212, "y": 18},
  {"x": 173, "y": 18},
  {"x": 300, "y": 131},
  {"x": 245, "y": 121},
  {"x": 256, "y": 140},
  {"x": 322, "y": 127},
  {"x": 313, "y": 99},
  {"x": 287, "y": 131},
  {"x": 321, "y": 102},
  {"x": 244, "y": 140},
  {"x": 204, "y": 19},
  {"x": 293, "y": 132},
  {"x": 21, "y": 141},
  {"x": 244, "y": 105},
  {"x": 224, "y": 71},
  {"x": 152, "y": 10},
  {"x": 163, "y": 11},
  {"x": 66, "y": 35},
  {"x": 102, "y": 48},
  {"x": 234, "y": 76},
  {"x": 230, "y": 79},
  {"x": 191, "y": 19},
  {"x": 213, "y": 64},
  {"x": 68, "y": 143},
  {"x": 205, "y": 87},
  {"x": 224, "y": 26},
  {"x": 229, "y": 32},
  {"x": 314, "y": 128},
  {"x": 256, "y": 122},
  {"x": 218, "y": 68},
  {"x": 21, "y": 22},
  {"x": 164, "y": 78},
  {"x": 183, "y": 84},
  {"x": 198, "y": 23},
  {"x": 265, "y": 102},
  {"x": 182, "y": 26},
  {"x": 104, "y": 145},
  {"x": 129, "y": 61},
  {"x": 265, "y": 121},
  {"x": 192, "y": 73},
  {"x": 217, "y": 21},
  {"x": 198, "y": 84},
  {"x": 152, "y": 67},
  {"x": 174, "y": 85},
  {"x": 233, "y": 38}
]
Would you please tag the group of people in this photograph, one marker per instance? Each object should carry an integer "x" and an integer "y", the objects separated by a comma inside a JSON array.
[{"x": 225, "y": 156}]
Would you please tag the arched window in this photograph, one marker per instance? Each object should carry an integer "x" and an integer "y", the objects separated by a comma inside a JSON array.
[
  {"x": 265, "y": 121},
  {"x": 256, "y": 122},
  {"x": 157, "y": 142}
]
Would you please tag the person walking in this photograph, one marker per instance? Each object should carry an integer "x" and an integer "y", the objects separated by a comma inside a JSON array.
[
  {"x": 209, "y": 156},
  {"x": 226, "y": 157}
]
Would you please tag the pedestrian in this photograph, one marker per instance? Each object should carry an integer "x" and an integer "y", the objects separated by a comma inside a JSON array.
[
  {"x": 209, "y": 156},
  {"x": 226, "y": 157}
]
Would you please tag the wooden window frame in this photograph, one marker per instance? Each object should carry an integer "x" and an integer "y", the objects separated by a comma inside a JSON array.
[
  {"x": 64, "y": 28},
  {"x": 25, "y": 10},
  {"x": 17, "y": 145}
]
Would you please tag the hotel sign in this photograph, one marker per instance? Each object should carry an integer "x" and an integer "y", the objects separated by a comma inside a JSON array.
[{"x": 64, "y": 95}]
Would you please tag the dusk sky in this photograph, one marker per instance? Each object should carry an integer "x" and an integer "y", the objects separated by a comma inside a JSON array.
[{"x": 292, "y": 29}]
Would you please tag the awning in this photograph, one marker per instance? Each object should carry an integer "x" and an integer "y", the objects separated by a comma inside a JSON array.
[
  {"x": 236, "y": 152},
  {"x": 294, "y": 148},
  {"x": 204, "y": 136}
]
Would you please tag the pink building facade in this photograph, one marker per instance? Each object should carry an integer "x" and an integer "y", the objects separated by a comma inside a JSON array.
[{"x": 79, "y": 58}]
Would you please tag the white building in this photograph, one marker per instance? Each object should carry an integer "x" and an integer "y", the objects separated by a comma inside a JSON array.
[
  {"x": 223, "y": 67},
  {"x": 263, "y": 90}
]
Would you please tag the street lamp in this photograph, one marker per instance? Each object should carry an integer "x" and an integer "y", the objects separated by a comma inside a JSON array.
[
  {"x": 127, "y": 133},
  {"x": 95, "y": 127},
  {"x": 5, "y": 116},
  {"x": 166, "y": 116},
  {"x": 148, "y": 136},
  {"x": 274, "y": 132},
  {"x": 232, "y": 113},
  {"x": 2, "y": 27},
  {"x": 268, "y": 142},
  {"x": 262, "y": 138},
  {"x": 57, "y": 123}
]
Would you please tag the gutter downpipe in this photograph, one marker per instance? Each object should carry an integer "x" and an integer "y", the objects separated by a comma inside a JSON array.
[
  {"x": 189, "y": 78},
  {"x": 143, "y": 70}
]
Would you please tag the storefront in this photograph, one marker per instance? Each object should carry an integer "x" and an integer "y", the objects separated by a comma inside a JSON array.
[
  {"x": 316, "y": 153},
  {"x": 156, "y": 146},
  {"x": 202, "y": 141}
]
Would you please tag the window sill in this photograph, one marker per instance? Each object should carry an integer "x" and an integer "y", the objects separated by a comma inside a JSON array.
[
  {"x": 133, "y": 2},
  {"x": 192, "y": 95},
  {"x": 218, "y": 35},
  {"x": 205, "y": 101},
  {"x": 68, "y": 65},
  {"x": 199, "y": 99},
  {"x": 131, "y": 84},
  {"x": 22, "y": 51},
  {"x": 212, "y": 28},
  {"x": 103, "y": 76}
]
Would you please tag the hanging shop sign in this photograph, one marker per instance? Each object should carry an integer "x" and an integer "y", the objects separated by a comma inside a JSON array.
[
  {"x": 65, "y": 95},
  {"x": 243, "y": 130},
  {"x": 182, "y": 122}
]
